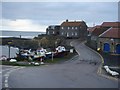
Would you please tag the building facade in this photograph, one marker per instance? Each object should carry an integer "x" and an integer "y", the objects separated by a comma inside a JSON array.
[
  {"x": 105, "y": 37},
  {"x": 109, "y": 41},
  {"x": 74, "y": 29},
  {"x": 53, "y": 30}
]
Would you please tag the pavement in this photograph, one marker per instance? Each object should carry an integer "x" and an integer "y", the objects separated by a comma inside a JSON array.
[{"x": 78, "y": 72}]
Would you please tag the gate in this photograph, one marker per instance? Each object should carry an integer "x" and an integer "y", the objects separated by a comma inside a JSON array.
[
  {"x": 118, "y": 48},
  {"x": 106, "y": 47}
]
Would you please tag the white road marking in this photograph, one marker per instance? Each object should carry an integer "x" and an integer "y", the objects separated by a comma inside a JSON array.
[
  {"x": 8, "y": 74},
  {"x": 10, "y": 68}
]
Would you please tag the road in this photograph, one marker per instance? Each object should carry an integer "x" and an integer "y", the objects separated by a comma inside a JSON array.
[{"x": 79, "y": 72}]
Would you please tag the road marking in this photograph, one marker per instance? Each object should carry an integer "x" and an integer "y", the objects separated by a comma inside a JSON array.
[
  {"x": 99, "y": 72},
  {"x": 10, "y": 68},
  {"x": 8, "y": 74},
  {"x": 102, "y": 59}
]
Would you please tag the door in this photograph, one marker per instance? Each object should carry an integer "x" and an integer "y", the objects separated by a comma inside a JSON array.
[
  {"x": 118, "y": 48},
  {"x": 106, "y": 47}
]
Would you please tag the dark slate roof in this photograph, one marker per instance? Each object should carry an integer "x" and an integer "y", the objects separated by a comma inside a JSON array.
[{"x": 111, "y": 33}]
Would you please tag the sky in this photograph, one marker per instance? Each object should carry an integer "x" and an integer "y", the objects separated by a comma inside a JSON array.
[{"x": 37, "y": 16}]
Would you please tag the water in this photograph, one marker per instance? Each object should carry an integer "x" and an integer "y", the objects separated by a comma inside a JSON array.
[
  {"x": 22, "y": 33},
  {"x": 5, "y": 51}
]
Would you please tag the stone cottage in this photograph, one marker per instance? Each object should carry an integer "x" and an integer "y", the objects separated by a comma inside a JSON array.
[
  {"x": 109, "y": 41},
  {"x": 105, "y": 37}
]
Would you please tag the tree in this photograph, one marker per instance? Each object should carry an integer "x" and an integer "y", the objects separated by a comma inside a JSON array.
[{"x": 44, "y": 42}]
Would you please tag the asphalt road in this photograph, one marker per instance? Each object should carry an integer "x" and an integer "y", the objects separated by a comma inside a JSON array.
[{"x": 79, "y": 72}]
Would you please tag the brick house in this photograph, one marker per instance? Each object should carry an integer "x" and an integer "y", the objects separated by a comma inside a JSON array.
[
  {"x": 53, "y": 30},
  {"x": 73, "y": 29}
]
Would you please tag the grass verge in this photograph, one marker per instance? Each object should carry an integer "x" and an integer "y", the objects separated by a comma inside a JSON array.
[{"x": 47, "y": 61}]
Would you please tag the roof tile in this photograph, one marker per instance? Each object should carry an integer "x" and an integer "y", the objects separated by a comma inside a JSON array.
[{"x": 111, "y": 33}]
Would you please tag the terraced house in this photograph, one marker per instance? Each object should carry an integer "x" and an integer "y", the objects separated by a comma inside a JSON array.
[
  {"x": 106, "y": 37},
  {"x": 109, "y": 41}
]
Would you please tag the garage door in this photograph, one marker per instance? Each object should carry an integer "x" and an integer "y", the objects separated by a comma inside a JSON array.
[
  {"x": 106, "y": 47},
  {"x": 118, "y": 48}
]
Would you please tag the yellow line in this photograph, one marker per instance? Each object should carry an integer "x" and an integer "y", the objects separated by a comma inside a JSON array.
[
  {"x": 102, "y": 59},
  {"x": 100, "y": 70}
]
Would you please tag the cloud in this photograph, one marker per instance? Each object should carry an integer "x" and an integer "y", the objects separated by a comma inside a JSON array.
[
  {"x": 36, "y": 16},
  {"x": 21, "y": 25}
]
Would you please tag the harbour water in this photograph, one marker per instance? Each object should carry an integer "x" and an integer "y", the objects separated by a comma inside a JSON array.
[
  {"x": 4, "y": 50},
  {"x": 23, "y": 34}
]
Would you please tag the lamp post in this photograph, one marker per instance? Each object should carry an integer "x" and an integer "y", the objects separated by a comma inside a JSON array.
[{"x": 9, "y": 49}]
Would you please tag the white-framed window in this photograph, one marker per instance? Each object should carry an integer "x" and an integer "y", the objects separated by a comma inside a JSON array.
[
  {"x": 53, "y": 32},
  {"x": 72, "y": 27},
  {"x": 68, "y": 27},
  {"x": 76, "y": 28},
  {"x": 72, "y": 34},
  {"x": 67, "y": 34},
  {"x": 76, "y": 34},
  {"x": 62, "y": 27}
]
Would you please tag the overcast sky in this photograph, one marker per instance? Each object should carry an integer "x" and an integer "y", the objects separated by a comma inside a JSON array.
[{"x": 36, "y": 16}]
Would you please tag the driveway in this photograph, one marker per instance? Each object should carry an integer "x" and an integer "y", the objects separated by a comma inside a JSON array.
[{"x": 79, "y": 72}]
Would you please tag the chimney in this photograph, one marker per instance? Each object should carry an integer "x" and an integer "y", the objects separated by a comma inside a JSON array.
[{"x": 66, "y": 20}]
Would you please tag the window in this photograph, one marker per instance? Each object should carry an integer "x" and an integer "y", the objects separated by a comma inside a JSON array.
[
  {"x": 62, "y": 27},
  {"x": 68, "y": 27},
  {"x": 67, "y": 34},
  {"x": 75, "y": 33},
  {"x": 76, "y": 28},
  {"x": 72, "y": 27},
  {"x": 53, "y": 32}
]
